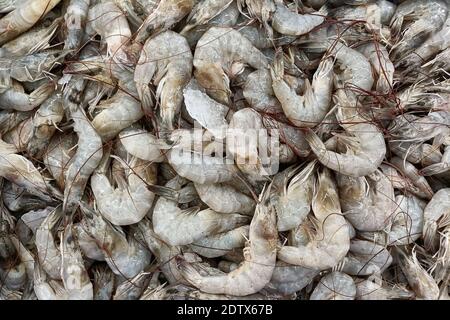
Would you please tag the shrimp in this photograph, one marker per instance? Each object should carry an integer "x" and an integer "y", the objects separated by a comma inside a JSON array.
[
  {"x": 262, "y": 10},
  {"x": 288, "y": 279},
  {"x": 366, "y": 258},
  {"x": 87, "y": 243},
  {"x": 23, "y": 18},
  {"x": 133, "y": 288},
  {"x": 335, "y": 286},
  {"x": 260, "y": 257},
  {"x": 407, "y": 220},
  {"x": 25, "y": 257},
  {"x": 143, "y": 145},
  {"x": 46, "y": 289},
  {"x": 291, "y": 23},
  {"x": 309, "y": 109},
  {"x": 291, "y": 197},
  {"x": 436, "y": 215},
  {"x": 440, "y": 167},
  {"x": 224, "y": 198},
  {"x": 364, "y": 149},
  {"x": 166, "y": 14},
  {"x": 217, "y": 245},
  {"x": 401, "y": 182},
  {"x": 332, "y": 241},
  {"x": 208, "y": 112},
  {"x": 259, "y": 94},
  {"x": 29, "y": 222},
  {"x": 180, "y": 227},
  {"x": 103, "y": 282},
  {"x": 9, "y": 5},
  {"x": 378, "y": 57},
  {"x": 17, "y": 198},
  {"x": 125, "y": 257},
  {"x": 75, "y": 19},
  {"x": 367, "y": 202},
  {"x": 418, "y": 278},
  {"x": 9, "y": 119},
  {"x": 15, "y": 98},
  {"x": 203, "y": 11},
  {"x": 170, "y": 68},
  {"x": 220, "y": 54},
  {"x": 73, "y": 273},
  {"x": 48, "y": 253},
  {"x": 426, "y": 16}
]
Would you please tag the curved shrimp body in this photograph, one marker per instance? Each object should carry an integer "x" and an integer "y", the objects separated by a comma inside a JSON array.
[
  {"x": 436, "y": 216},
  {"x": 180, "y": 227},
  {"x": 203, "y": 11},
  {"x": 125, "y": 257},
  {"x": 47, "y": 289},
  {"x": 143, "y": 144},
  {"x": 73, "y": 273},
  {"x": 219, "y": 52},
  {"x": 332, "y": 241},
  {"x": 407, "y": 220},
  {"x": 288, "y": 279},
  {"x": 128, "y": 203},
  {"x": 259, "y": 94},
  {"x": 310, "y": 109},
  {"x": 260, "y": 257},
  {"x": 219, "y": 244},
  {"x": 291, "y": 23},
  {"x": 427, "y": 17},
  {"x": 292, "y": 196},
  {"x": 378, "y": 57},
  {"x": 86, "y": 159},
  {"x": 16, "y": 99},
  {"x": 75, "y": 19},
  {"x": 367, "y": 202},
  {"x": 170, "y": 68},
  {"x": 225, "y": 198},
  {"x": 166, "y": 14},
  {"x": 23, "y": 18},
  {"x": 109, "y": 22},
  {"x": 48, "y": 253},
  {"x": 335, "y": 286}
]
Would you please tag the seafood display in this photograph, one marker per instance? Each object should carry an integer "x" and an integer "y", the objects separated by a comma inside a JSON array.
[{"x": 224, "y": 149}]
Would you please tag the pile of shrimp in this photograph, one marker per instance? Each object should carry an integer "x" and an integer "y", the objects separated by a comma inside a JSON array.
[{"x": 115, "y": 116}]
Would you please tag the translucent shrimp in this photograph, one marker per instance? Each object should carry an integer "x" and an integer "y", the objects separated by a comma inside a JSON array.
[
  {"x": 88, "y": 244},
  {"x": 133, "y": 288},
  {"x": 309, "y": 109},
  {"x": 48, "y": 253},
  {"x": 73, "y": 272},
  {"x": 220, "y": 54},
  {"x": 288, "y": 279},
  {"x": 260, "y": 257},
  {"x": 163, "y": 17},
  {"x": 224, "y": 198},
  {"x": 440, "y": 167},
  {"x": 109, "y": 22},
  {"x": 103, "y": 282},
  {"x": 143, "y": 144},
  {"x": 335, "y": 286},
  {"x": 86, "y": 159},
  {"x": 180, "y": 227},
  {"x": 75, "y": 18},
  {"x": 9, "y": 119},
  {"x": 9, "y": 5},
  {"x": 203, "y": 11},
  {"x": 291, "y": 23},
  {"x": 367, "y": 202},
  {"x": 436, "y": 216},
  {"x": 47, "y": 289},
  {"x": 170, "y": 68},
  {"x": 291, "y": 196},
  {"x": 23, "y": 18},
  {"x": 258, "y": 92},
  {"x": 364, "y": 147},
  {"x": 407, "y": 220},
  {"x": 332, "y": 241},
  {"x": 401, "y": 182},
  {"x": 125, "y": 257},
  {"x": 219, "y": 244},
  {"x": 262, "y": 10},
  {"x": 16, "y": 99}
]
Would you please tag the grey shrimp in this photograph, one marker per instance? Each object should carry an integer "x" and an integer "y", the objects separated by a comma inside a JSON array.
[{"x": 436, "y": 216}]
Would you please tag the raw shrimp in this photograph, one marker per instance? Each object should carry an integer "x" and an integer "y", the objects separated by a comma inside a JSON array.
[
  {"x": 9, "y": 119},
  {"x": 47, "y": 289},
  {"x": 15, "y": 98},
  {"x": 47, "y": 251},
  {"x": 335, "y": 286},
  {"x": 125, "y": 257},
  {"x": 166, "y": 14},
  {"x": 143, "y": 144},
  {"x": 288, "y": 279},
  {"x": 442, "y": 166},
  {"x": 217, "y": 245},
  {"x": 259, "y": 94},
  {"x": 103, "y": 282},
  {"x": 220, "y": 54},
  {"x": 132, "y": 289},
  {"x": 73, "y": 273},
  {"x": 170, "y": 68},
  {"x": 291, "y": 196},
  {"x": 75, "y": 19},
  {"x": 260, "y": 257},
  {"x": 401, "y": 182},
  {"x": 309, "y": 109},
  {"x": 436, "y": 216},
  {"x": 87, "y": 244},
  {"x": 180, "y": 227},
  {"x": 291, "y": 23},
  {"x": 224, "y": 198},
  {"x": 203, "y": 11},
  {"x": 332, "y": 241},
  {"x": 367, "y": 202},
  {"x": 86, "y": 159},
  {"x": 23, "y": 18},
  {"x": 262, "y": 10}
]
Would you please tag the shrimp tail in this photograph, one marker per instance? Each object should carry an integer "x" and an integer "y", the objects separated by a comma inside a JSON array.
[
  {"x": 429, "y": 233},
  {"x": 277, "y": 69},
  {"x": 434, "y": 169},
  {"x": 164, "y": 192}
]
